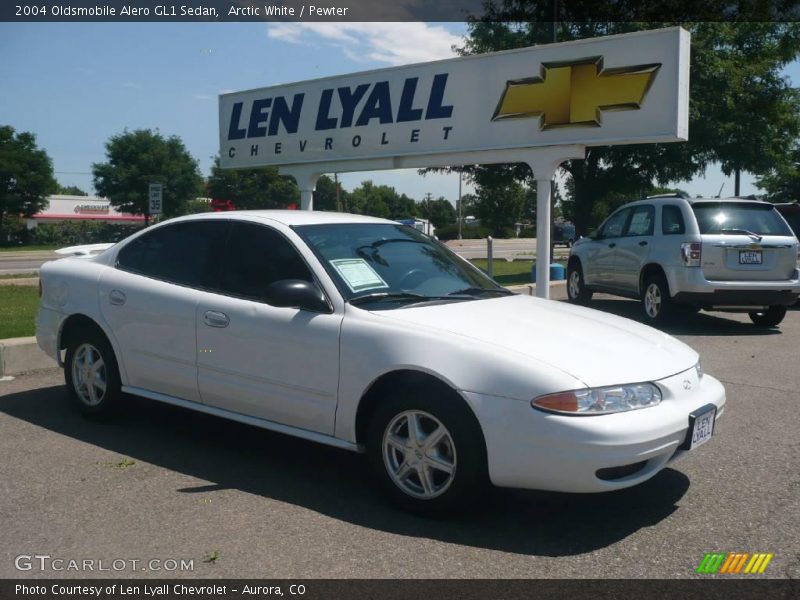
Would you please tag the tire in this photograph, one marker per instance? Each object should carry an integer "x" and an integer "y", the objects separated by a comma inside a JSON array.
[
  {"x": 577, "y": 292},
  {"x": 657, "y": 304},
  {"x": 770, "y": 317},
  {"x": 441, "y": 478},
  {"x": 91, "y": 374}
]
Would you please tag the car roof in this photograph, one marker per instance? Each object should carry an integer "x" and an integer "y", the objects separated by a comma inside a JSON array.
[
  {"x": 665, "y": 199},
  {"x": 288, "y": 217}
]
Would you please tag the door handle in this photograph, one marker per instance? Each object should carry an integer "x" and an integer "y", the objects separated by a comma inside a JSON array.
[
  {"x": 612, "y": 245},
  {"x": 117, "y": 297},
  {"x": 214, "y": 318},
  {"x": 643, "y": 243}
]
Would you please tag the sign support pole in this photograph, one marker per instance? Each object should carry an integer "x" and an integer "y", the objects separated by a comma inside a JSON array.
[
  {"x": 306, "y": 179},
  {"x": 544, "y": 162}
]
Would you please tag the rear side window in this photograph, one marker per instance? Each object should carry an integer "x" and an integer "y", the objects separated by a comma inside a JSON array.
[
  {"x": 739, "y": 217},
  {"x": 256, "y": 257},
  {"x": 187, "y": 253},
  {"x": 641, "y": 221},
  {"x": 672, "y": 220}
]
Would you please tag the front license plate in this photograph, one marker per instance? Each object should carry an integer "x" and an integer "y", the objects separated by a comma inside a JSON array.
[
  {"x": 750, "y": 257},
  {"x": 701, "y": 427}
]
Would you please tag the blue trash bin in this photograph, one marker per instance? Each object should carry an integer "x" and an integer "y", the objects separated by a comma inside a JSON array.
[{"x": 557, "y": 272}]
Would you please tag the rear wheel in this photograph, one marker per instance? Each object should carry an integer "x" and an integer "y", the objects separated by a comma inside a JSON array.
[
  {"x": 91, "y": 374},
  {"x": 656, "y": 301},
  {"x": 427, "y": 452},
  {"x": 770, "y": 317},
  {"x": 577, "y": 293}
]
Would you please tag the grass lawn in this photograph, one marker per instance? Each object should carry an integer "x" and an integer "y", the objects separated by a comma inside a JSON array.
[
  {"x": 18, "y": 305},
  {"x": 29, "y": 248},
  {"x": 514, "y": 272},
  {"x": 19, "y": 275}
]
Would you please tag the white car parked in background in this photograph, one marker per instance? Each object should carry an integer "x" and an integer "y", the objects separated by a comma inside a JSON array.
[
  {"x": 368, "y": 335},
  {"x": 676, "y": 253}
]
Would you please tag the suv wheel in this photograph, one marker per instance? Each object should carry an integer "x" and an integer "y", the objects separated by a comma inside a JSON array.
[
  {"x": 91, "y": 374},
  {"x": 770, "y": 317},
  {"x": 427, "y": 452},
  {"x": 656, "y": 301},
  {"x": 577, "y": 293}
]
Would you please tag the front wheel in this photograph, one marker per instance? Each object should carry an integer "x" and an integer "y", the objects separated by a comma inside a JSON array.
[
  {"x": 770, "y": 317},
  {"x": 427, "y": 452},
  {"x": 91, "y": 374}
]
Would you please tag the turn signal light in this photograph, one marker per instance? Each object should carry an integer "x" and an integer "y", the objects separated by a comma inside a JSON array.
[{"x": 691, "y": 252}]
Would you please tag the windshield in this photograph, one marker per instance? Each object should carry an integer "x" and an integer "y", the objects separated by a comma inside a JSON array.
[
  {"x": 739, "y": 218},
  {"x": 394, "y": 264}
]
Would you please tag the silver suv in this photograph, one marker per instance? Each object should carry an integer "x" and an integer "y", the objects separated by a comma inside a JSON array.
[{"x": 678, "y": 254}]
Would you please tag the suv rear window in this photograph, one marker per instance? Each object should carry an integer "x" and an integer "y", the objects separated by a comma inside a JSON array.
[{"x": 739, "y": 217}]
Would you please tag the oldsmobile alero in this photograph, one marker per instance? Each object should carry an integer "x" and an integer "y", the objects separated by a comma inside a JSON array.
[{"x": 365, "y": 334}]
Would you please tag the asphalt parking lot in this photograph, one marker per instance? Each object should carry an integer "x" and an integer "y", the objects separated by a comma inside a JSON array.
[{"x": 163, "y": 483}]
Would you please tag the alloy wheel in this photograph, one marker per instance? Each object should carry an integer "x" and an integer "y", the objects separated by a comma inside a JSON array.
[
  {"x": 419, "y": 454},
  {"x": 89, "y": 377}
]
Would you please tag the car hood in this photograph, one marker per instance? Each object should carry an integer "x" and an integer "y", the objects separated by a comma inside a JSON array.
[{"x": 595, "y": 347}]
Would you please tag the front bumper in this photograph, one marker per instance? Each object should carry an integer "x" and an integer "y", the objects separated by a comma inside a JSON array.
[
  {"x": 527, "y": 448},
  {"x": 689, "y": 286}
]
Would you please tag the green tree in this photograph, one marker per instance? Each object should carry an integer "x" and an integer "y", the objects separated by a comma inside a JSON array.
[
  {"x": 378, "y": 201},
  {"x": 70, "y": 190},
  {"x": 743, "y": 114},
  {"x": 259, "y": 188},
  {"x": 499, "y": 204},
  {"x": 26, "y": 174},
  {"x": 138, "y": 158},
  {"x": 782, "y": 183},
  {"x": 325, "y": 194},
  {"x": 439, "y": 211}
]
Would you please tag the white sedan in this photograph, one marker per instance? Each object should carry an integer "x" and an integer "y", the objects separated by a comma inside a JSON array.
[{"x": 367, "y": 335}]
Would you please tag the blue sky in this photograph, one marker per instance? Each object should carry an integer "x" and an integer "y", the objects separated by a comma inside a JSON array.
[{"x": 76, "y": 84}]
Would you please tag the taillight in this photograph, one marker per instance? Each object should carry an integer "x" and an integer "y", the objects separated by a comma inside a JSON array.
[
  {"x": 40, "y": 287},
  {"x": 691, "y": 253}
]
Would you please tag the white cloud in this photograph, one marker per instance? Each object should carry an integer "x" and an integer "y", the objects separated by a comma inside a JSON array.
[
  {"x": 391, "y": 43},
  {"x": 203, "y": 97}
]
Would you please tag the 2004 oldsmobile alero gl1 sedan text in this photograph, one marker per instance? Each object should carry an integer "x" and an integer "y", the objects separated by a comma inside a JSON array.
[{"x": 368, "y": 335}]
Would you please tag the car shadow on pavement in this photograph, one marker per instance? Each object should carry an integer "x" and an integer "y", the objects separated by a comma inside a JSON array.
[
  {"x": 701, "y": 323},
  {"x": 335, "y": 482}
]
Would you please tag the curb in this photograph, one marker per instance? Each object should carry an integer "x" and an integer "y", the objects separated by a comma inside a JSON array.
[{"x": 19, "y": 355}]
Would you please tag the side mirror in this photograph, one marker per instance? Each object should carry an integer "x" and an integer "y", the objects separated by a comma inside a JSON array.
[{"x": 297, "y": 293}]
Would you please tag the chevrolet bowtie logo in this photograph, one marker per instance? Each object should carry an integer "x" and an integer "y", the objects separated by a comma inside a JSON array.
[{"x": 573, "y": 94}]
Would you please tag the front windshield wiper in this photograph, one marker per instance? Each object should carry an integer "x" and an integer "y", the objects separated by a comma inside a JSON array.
[
  {"x": 477, "y": 290},
  {"x": 744, "y": 231},
  {"x": 403, "y": 296}
]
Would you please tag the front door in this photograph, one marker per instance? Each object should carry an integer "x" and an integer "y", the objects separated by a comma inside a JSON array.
[{"x": 280, "y": 364}]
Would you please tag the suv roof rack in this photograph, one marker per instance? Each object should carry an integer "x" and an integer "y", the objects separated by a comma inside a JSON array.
[{"x": 669, "y": 195}]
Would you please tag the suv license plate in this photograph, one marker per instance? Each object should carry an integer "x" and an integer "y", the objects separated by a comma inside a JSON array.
[
  {"x": 750, "y": 257},
  {"x": 701, "y": 427}
]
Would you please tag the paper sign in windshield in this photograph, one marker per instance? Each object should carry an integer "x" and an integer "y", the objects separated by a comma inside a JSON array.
[{"x": 358, "y": 275}]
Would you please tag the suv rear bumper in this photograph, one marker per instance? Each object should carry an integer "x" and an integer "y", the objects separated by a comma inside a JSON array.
[{"x": 689, "y": 286}]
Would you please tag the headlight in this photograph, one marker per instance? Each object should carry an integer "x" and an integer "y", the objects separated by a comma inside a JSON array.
[{"x": 600, "y": 401}]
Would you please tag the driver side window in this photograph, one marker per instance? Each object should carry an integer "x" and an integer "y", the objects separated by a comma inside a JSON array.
[
  {"x": 615, "y": 224},
  {"x": 256, "y": 257}
]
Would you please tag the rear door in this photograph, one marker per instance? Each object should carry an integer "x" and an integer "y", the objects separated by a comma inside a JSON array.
[
  {"x": 149, "y": 302},
  {"x": 745, "y": 241},
  {"x": 633, "y": 248}
]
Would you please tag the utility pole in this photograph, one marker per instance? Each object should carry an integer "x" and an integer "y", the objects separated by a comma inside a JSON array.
[
  {"x": 460, "y": 216},
  {"x": 336, "y": 183}
]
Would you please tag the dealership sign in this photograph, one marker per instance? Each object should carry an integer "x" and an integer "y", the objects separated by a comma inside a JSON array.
[{"x": 622, "y": 89}]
